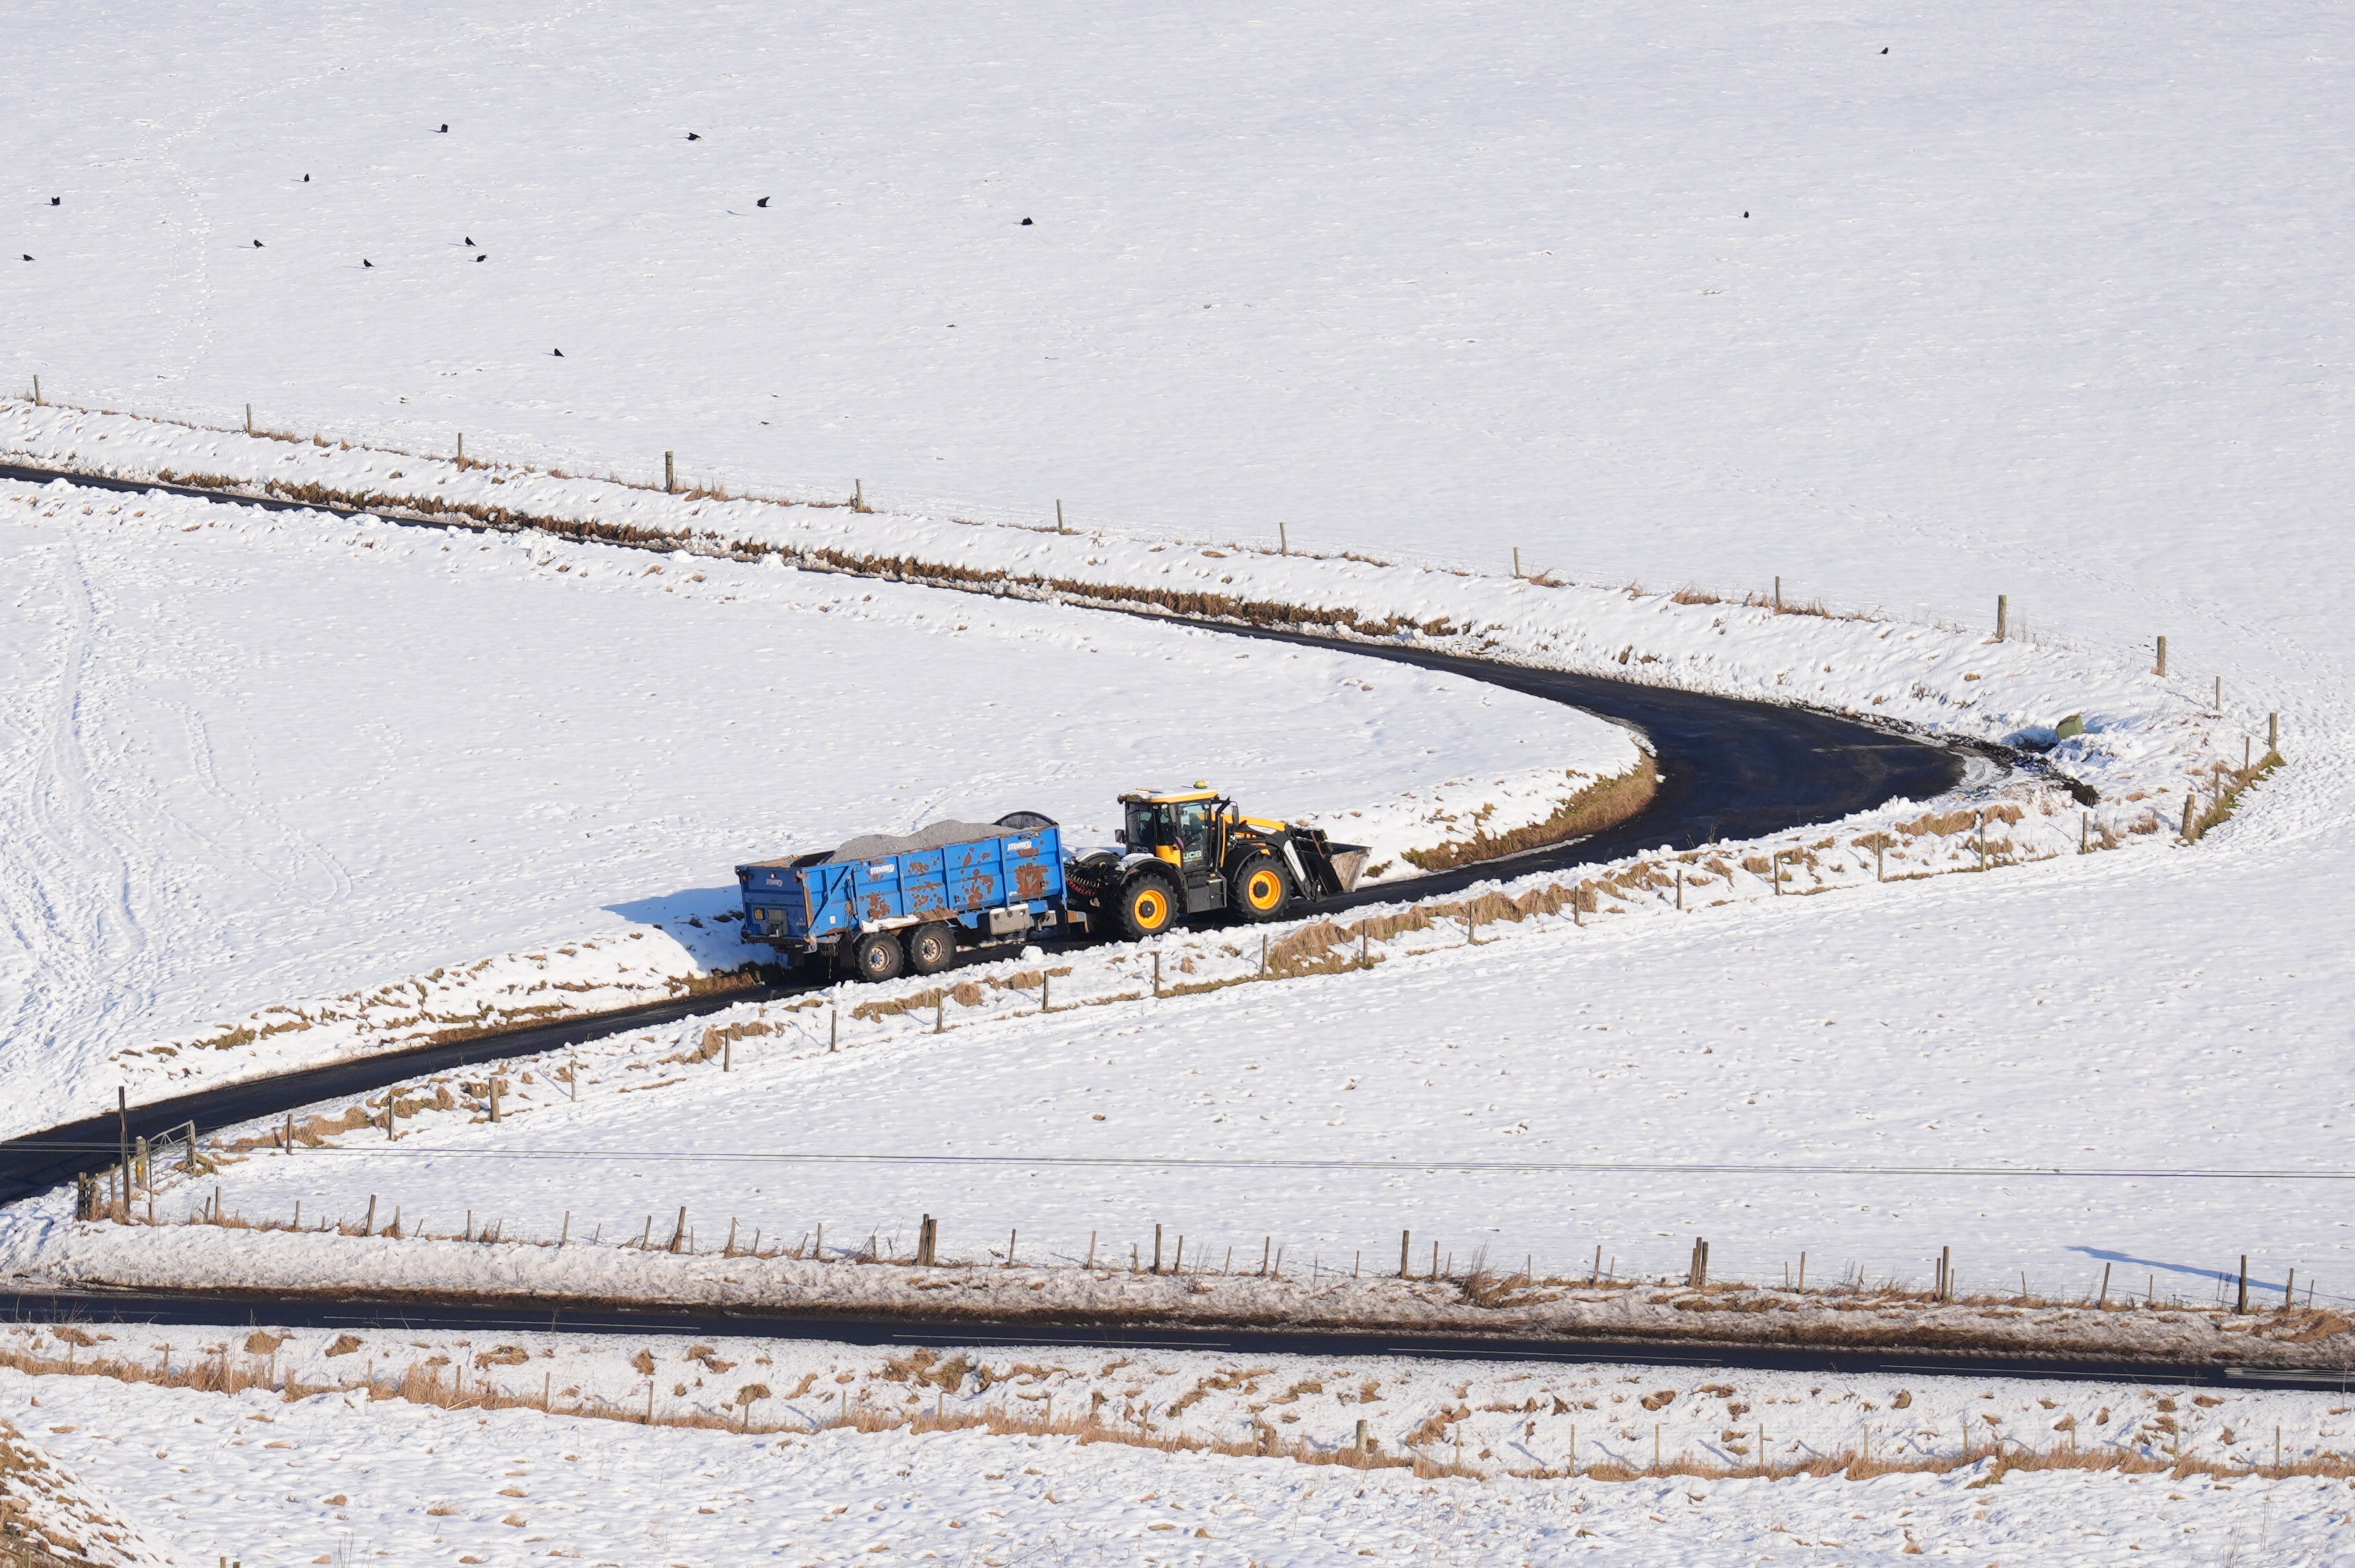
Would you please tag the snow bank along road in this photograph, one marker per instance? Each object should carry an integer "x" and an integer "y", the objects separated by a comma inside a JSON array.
[
  {"x": 1732, "y": 769},
  {"x": 348, "y": 1310},
  {"x": 418, "y": 1444}
]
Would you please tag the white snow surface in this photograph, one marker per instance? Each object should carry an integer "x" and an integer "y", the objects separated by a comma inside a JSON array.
[
  {"x": 2048, "y": 303},
  {"x": 2042, "y": 302},
  {"x": 271, "y": 1478},
  {"x": 1557, "y": 1094},
  {"x": 285, "y": 759}
]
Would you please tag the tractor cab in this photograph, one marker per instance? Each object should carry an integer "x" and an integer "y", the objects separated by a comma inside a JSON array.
[{"x": 1186, "y": 829}]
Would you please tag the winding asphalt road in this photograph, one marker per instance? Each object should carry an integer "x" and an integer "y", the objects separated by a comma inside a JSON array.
[{"x": 1730, "y": 770}]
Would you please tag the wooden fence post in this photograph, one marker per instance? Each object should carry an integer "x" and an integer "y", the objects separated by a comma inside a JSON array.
[
  {"x": 2002, "y": 616},
  {"x": 670, "y": 474},
  {"x": 2161, "y": 669}
]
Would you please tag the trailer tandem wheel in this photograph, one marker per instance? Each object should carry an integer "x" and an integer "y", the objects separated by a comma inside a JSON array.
[
  {"x": 931, "y": 948},
  {"x": 877, "y": 956}
]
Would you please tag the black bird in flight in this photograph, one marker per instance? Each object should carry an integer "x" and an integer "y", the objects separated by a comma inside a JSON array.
[
  {"x": 484, "y": 257},
  {"x": 762, "y": 202},
  {"x": 693, "y": 137}
]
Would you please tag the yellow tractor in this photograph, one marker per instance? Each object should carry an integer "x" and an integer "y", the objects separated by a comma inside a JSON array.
[{"x": 1189, "y": 851}]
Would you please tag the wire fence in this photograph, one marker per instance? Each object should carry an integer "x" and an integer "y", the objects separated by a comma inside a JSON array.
[{"x": 190, "y": 1158}]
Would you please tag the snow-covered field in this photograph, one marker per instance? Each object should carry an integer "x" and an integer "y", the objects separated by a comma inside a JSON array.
[
  {"x": 1553, "y": 1090},
  {"x": 2046, "y": 303},
  {"x": 256, "y": 758},
  {"x": 856, "y": 1455}
]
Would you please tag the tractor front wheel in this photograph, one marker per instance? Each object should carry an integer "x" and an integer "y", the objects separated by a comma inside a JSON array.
[
  {"x": 1148, "y": 906},
  {"x": 1262, "y": 887}
]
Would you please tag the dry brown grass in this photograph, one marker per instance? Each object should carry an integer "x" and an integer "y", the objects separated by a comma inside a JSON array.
[
  {"x": 1192, "y": 605},
  {"x": 489, "y": 1019},
  {"x": 964, "y": 993},
  {"x": 1946, "y": 824},
  {"x": 1603, "y": 803},
  {"x": 2226, "y": 785},
  {"x": 1815, "y": 607}
]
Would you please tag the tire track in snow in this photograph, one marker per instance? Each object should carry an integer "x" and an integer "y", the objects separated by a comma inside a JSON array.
[{"x": 74, "y": 907}]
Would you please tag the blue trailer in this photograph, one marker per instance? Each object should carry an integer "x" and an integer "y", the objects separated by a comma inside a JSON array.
[{"x": 876, "y": 910}]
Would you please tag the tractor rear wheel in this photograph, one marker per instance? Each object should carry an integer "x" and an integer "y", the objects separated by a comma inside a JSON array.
[
  {"x": 931, "y": 948},
  {"x": 1148, "y": 906},
  {"x": 1262, "y": 887},
  {"x": 876, "y": 956}
]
